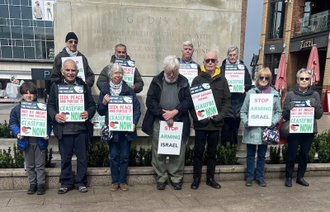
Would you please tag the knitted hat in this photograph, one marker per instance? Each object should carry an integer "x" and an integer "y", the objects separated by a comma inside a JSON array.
[{"x": 71, "y": 35}]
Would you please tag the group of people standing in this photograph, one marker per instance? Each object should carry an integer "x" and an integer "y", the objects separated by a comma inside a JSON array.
[{"x": 168, "y": 99}]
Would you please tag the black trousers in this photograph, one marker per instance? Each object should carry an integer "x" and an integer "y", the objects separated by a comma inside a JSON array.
[
  {"x": 229, "y": 131},
  {"x": 212, "y": 138},
  {"x": 305, "y": 140}
]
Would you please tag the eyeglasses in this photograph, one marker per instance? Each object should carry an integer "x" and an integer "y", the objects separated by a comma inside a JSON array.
[
  {"x": 72, "y": 70},
  {"x": 208, "y": 60},
  {"x": 73, "y": 41},
  {"x": 264, "y": 78},
  {"x": 306, "y": 78},
  {"x": 119, "y": 52}
]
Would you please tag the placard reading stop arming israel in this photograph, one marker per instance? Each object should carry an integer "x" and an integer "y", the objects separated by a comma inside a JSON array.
[
  {"x": 302, "y": 117},
  {"x": 235, "y": 74},
  {"x": 169, "y": 142},
  {"x": 80, "y": 65},
  {"x": 261, "y": 110},
  {"x": 120, "y": 110},
  {"x": 203, "y": 100},
  {"x": 33, "y": 119},
  {"x": 189, "y": 70},
  {"x": 129, "y": 70},
  {"x": 71, "y": 102}
]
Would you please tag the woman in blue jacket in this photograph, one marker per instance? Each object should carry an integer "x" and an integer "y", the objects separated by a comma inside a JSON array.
[{"x": 121, "y": 141}]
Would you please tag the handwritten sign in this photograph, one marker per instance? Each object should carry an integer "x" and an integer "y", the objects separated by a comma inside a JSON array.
[
  {"x": 71, "y": 102},
  {"x": 98, "y": 121},
  {"x": 189, "y": 70},
  {"x": 302, "y": 117},
  {"x": 79, "y": 63},
  {"x": 169, "y": 142},
  {"x": 120, "y": 110},
  {"x": 129, "y": 69},
  {"x": 261, "y": 110},
  {"x": 235, "y": 74},
  {"x": 203, "y": 100},
  {"x": 33, "y": 119}
]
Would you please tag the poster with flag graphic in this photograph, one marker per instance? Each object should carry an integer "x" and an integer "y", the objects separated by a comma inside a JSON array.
[
  {"x": 120, "y": 110},
  {"x": 203, "y": 100},
  {"x": 98, "y": 121},
  {"x": 80, "y": 65},
  {"x": 129, "y": 70},
  {"x": 235, "y": 75},
  {"x": 33, "y": 119},
  {"x": 302, "y": 117},
  {"x": 71, "y": 102}
]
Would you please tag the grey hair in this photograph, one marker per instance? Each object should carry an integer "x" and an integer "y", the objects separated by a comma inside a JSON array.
[
  {"x": 188, "y": 43},
  {"x": 232, "y": 48},
  {"x": 170, "y": 62},
  {"x": 70, "y": 61},
  {"x": 114, "y": 67},
  {"x": 120, "y": 45},
  {"x": 304, "y": 70}
]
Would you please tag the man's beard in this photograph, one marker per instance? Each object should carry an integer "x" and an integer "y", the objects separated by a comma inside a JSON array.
[{"x": 168, "y": 80}]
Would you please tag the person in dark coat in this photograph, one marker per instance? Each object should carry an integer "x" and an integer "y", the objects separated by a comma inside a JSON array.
[{"x": 232, "y": 122}]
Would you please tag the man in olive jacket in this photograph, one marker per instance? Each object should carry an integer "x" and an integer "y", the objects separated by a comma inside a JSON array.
[{"x": 210, "y": 128}]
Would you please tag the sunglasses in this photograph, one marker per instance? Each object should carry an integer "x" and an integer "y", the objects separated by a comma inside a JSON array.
[
  {"x": 306, "y": 78},
  {"x": 72, "y": 70},
  {"x": 73, "y": 41},
  {"x": 208, "y": 60},
  {"x": 264, "y": 78},
  {"x": 119, "y": 52}
]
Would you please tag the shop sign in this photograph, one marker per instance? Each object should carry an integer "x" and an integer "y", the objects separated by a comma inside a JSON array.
[{"x": 306, "y": 44}]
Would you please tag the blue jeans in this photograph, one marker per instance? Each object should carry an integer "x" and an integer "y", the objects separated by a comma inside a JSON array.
[
  {"x": 119, "y": 168},
  {"x": 251, "y": 152}
]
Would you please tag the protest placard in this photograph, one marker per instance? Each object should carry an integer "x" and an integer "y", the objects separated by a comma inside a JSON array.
[
  {"x": 261, "y": 110},
  {"x": 33, "y": 119},
  {"x": 71, "y": 102},
  {"x": 80, "y": 65},
  {"x": 235, "y": 74},
  {"x": 302, "y": 117},
  {"x": 203, "y": 100},
  {"x": 98, "y": 121},
  {"x": 189, "y": 70},
  {"x": 129, "y": 69},
  {"x": 120, "y": 110},
  {"x": 169, "y": 142}
]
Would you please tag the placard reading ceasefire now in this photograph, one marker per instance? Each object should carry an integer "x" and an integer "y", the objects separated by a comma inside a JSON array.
[
  {"x": 302, "y": 117},
  {"x": 129, "y": 69},
  {"x": 120, "y": 113},
  {"x": 33, "y": 119},
  {"x": 235, "y": 74},
  {"x": 71, "y": 102}
]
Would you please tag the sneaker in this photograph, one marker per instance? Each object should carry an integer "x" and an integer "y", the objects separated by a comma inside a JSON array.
[
  {"x": 41, "y": 189},
  {"x": 261, "y": 183},
  {"x": 248, "y": 182},
  {"x": 114, "y": 187},
  {"x": 32, "y": 189},
  {"x": 124, "y": 187}
]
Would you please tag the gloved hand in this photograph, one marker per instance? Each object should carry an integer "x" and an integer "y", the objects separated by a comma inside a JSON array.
[
  {"x": 313, "y": 102},
  {"x": 216, "y": 119},
  {"x": 204, "y": 122},
  {"x": 291, "y": 105},
  {"x": 246, "y": 124}
]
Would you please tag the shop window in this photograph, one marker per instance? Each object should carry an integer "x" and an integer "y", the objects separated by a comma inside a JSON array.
[
  {"x": 272, "y": 61},
  {"x": 26, "y": 12},
  {"x": 18, "y": 52},
  {"x": 14, "y": 12},
  {"x": 29, "y": 53},
  {"x": 276, "y": 19},
  {"x": 6, "y": 52},
  {"x": 4, "y": 11}
]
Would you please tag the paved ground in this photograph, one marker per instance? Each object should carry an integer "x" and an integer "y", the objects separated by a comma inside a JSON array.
[{"x": 233, "y": 196}]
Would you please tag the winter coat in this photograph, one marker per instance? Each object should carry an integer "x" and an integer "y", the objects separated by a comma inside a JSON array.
[
  {"x": 296, "y": 94},
  {"x": 15, "y": 123},
  {"x": 154, "y": 109},
  {"x": 104, "y": 77},
  {"x": 237, "y": 99},
  {"x": 56, "y": 75},
  {"x": 53, "y": 109},
  {"x": 221, "y": 94},
  {"x": 103, "y": 109},
  {"x": 253, "y": 135}
]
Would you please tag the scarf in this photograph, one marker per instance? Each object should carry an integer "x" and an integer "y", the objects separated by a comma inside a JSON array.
[
  {"x": 266, "y": 89},
  {"x": 72, "y": 54},
  {"x": 115, "y": 89},
  {"x": 237, "y": 61}
]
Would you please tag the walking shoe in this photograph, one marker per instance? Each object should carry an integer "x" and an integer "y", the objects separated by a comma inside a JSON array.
[
  {"x": 261, "y": 182},
  {"x": 177, "y": 186},
  {"x": 161, "y": 185},
  {"x": 211, "y": 182},
  {"x": 41, "y": 189},
  {"x": 288, "y": 182},
  {"x": 32, "y": 189},
  {"x": 124, "y": 187},
  {"x": 248, "y": 182},
  {"x": 114, "y": 187},
  {"x": 195, "y": 184},
  {"x": 301, "y": 181}
]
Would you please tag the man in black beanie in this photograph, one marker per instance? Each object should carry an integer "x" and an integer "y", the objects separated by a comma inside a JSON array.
[{"x": 71, "y": 50}]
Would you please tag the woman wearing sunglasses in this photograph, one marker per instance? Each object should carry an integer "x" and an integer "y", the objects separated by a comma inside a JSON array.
[
  {"x": 252, "y": 135},
  {"x": 302, "y": 91}
]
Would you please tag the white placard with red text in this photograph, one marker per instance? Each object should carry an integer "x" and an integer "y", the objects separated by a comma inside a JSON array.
[
  {"x": 129, "y": 70},
  {"x": 80, "y": 65},
  {"x": 33, "y": 119},
  {"x": 260, "y": 110},
  {"x": 302, "y": 117},
  {"x": 235, "y": 75},
  {"x": 189, "y": 70},
  {"x": 169, "y": 142},
  {"x": 71, "y": 102}
]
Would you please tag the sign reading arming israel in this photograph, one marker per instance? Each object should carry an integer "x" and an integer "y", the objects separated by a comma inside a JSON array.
[
  {"x": 169, "y": 142},
  {"x": 129, "y": 70},
  {"x": 33, "y": 119},
  {"x": 302, "y": 117},
  {"x": 98, "y": 121},
  {"x": 80, "y": 65},
  {"x": 189, "y": 70},
  {"x": 261, "y": 110},
  {"x": 120, "y": 110},
  {"x": 235, "y": 74},
  {"x": 203, "y": 100},
  {"x": 71, "y": 102}
]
